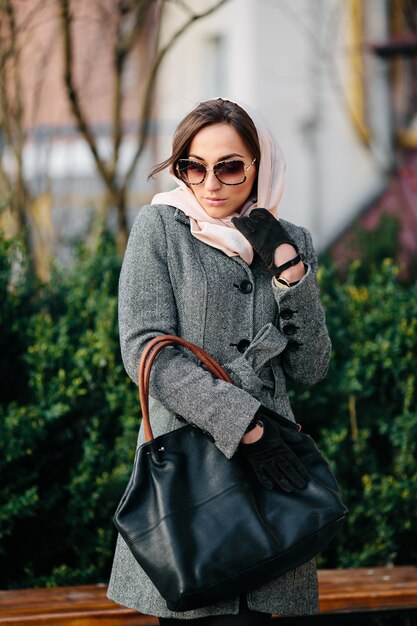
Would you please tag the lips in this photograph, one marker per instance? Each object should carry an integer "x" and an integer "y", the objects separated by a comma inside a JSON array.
[{"x": 215, "y": 201}]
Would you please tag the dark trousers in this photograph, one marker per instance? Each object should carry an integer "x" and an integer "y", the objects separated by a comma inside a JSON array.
[{"x": 245, "y": 617}]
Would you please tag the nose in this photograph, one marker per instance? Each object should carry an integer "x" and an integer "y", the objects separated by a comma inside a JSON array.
[{"x": 212, "y": 183}]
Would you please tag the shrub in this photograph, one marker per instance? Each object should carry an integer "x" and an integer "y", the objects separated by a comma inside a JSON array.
[
  {"x": 364, "y": 413},
  {"x": 67, "y": 439},
  {"x": 69, "y": 416}
]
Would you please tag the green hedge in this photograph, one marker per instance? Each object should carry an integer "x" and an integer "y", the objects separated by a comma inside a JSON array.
[
  {"x": 364, "y": 413},
  {"x": 69, "y": 416},
  {"x": 69, "y": 419}
]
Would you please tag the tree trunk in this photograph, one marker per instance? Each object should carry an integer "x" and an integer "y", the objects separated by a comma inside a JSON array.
[{"x": 122, "y": 225}]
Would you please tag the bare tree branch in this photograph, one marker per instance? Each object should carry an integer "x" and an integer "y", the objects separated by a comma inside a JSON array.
[
  {"x": 144, "y": 15},
  {"x": 24, "y": 27},
  {"x": 125, "y": 42},
  {"x": 184, "y": 6},
  {"x": 41, "y": 72},
  {"x": 150, "y": 87},
  {"x": 13, "y": 123},
  {"x": 74, "y": 99},
  {"x": 5, "y": 118},
  {"x": 17, "y": 117},
  {"x": 141, "y": 10},
  {"x": 119, "y": 58}
]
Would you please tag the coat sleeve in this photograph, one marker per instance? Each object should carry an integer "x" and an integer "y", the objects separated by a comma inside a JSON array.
[
  {"x": 306, "y": 357},
  {"x": 147, "y": 309},
  {"x": 300, "y": 335},
  {"x": 268, "y": 343}
]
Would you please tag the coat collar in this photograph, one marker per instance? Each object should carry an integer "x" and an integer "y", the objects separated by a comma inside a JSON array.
[
  {"x": 181, "y": 217},
  {"x": 184, "y": 219}
]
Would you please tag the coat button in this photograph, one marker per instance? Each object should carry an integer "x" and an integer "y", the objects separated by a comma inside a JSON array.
[
  {"x": 243, "y": 345},
  {"x": 245, "y": 286},
  {"x": 289, "y": 329},
  {"x": 286, "y": 314},
  {"x": 293, "y": 346}
]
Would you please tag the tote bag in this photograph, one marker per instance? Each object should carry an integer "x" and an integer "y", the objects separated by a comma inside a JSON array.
[{"x": 201, "y": 526}]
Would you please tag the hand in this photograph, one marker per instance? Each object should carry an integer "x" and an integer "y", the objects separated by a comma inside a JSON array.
[
  {"x": 284, "y": 253},
  {"x": 254, "y": 434},
  {"x": 265, "y": 234},
  {"x": 272, "y": 460}
]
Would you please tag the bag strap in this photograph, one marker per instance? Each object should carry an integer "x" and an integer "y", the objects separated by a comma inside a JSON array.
[{"x": 149, "y": 354}]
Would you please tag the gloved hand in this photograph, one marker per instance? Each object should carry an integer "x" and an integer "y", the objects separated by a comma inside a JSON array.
[
  {"x": 265, "y": 234},
  {"x": 272, "y": 460}
]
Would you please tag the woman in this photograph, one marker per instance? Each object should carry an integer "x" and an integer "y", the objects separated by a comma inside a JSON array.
[{"x": 210, "y": 261}]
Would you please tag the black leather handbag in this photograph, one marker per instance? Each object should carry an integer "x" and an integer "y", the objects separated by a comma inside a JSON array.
[{"x": 201, "y": 526}]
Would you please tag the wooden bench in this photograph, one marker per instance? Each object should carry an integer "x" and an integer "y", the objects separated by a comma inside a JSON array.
[
  {"x": 66, "y": 606},
  {"x": 371, "y": 596},
  {"x": 352, "y": 596}
]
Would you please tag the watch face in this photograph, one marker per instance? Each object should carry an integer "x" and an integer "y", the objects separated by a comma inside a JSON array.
[{"x": 281, "y": 282}]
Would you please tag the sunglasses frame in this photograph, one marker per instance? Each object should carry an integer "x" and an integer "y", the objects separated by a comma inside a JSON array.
[{"x": 245, "y": 169}]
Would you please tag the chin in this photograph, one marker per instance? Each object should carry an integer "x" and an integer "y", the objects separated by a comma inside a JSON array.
[{"x": 218, "y": 213}]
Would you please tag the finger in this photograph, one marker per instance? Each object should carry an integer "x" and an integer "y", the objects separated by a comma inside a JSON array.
[
  {"x": 263, "y": 478},
  {"x": 259, "y": 214},
  {"x": 263, "y": 216},
  {"x": 279, "y": 478},
  {"x": 296, "y": 475},
  {"x": 243, "y": 226},
  {"x": 299, "y": 467},
  {"x": 293, "y": 461}
]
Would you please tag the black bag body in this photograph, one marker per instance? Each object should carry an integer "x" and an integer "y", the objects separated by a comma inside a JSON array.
[{"x": 204, "y": 529}]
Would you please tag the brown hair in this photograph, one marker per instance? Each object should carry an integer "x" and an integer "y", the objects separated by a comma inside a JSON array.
[{"x": 205, "y": 114}]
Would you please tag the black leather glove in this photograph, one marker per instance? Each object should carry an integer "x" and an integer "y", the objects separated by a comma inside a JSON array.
[
  {"x": 272, "y": 460},
  {"x": 265, "y": 234}
]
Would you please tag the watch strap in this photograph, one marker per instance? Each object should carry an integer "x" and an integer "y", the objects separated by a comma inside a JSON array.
[{"x": 287, "y": 264}]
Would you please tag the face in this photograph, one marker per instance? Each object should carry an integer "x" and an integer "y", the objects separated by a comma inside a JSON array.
[{"x": 212, "y": 144}]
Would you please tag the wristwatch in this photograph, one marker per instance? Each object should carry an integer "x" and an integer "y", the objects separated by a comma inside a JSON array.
[
  {"x": 282, "y": 283},
  {"x": 287, "y": 264}
]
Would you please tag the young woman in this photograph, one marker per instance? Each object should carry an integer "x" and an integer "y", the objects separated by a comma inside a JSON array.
[{"x": 211, "y": 262}]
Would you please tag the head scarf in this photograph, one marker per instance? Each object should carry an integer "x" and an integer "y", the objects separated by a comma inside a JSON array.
[{"x": 220, "y": 233}]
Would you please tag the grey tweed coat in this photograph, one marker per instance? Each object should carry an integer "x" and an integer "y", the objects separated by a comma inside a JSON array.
[{"x": 171, "y": 283}]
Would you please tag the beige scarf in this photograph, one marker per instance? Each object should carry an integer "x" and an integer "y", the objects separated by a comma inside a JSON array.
[{"x": 220, "y": 233}]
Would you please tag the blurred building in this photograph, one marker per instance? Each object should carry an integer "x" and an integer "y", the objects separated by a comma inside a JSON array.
[
  {"x": 334, "y": 80},
  {"x": 321, "y": 74}
]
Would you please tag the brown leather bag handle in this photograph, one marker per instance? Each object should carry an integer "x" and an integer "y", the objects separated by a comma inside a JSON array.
[{"x": 148, "y": 356}]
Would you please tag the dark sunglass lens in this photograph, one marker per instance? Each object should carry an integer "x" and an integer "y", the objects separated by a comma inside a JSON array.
[
  {"x": 231, "y": 172},
  {"x": 191, "y": 171}
]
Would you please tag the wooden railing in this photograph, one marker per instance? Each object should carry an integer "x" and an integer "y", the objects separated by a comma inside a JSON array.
[{"x": 347, "y": 594}]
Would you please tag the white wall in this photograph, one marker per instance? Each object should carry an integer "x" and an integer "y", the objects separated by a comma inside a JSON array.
[{"x": 289, "y": 60}]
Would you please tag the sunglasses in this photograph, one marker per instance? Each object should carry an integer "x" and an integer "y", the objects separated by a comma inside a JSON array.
[{"x": 226, "y": 172}]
